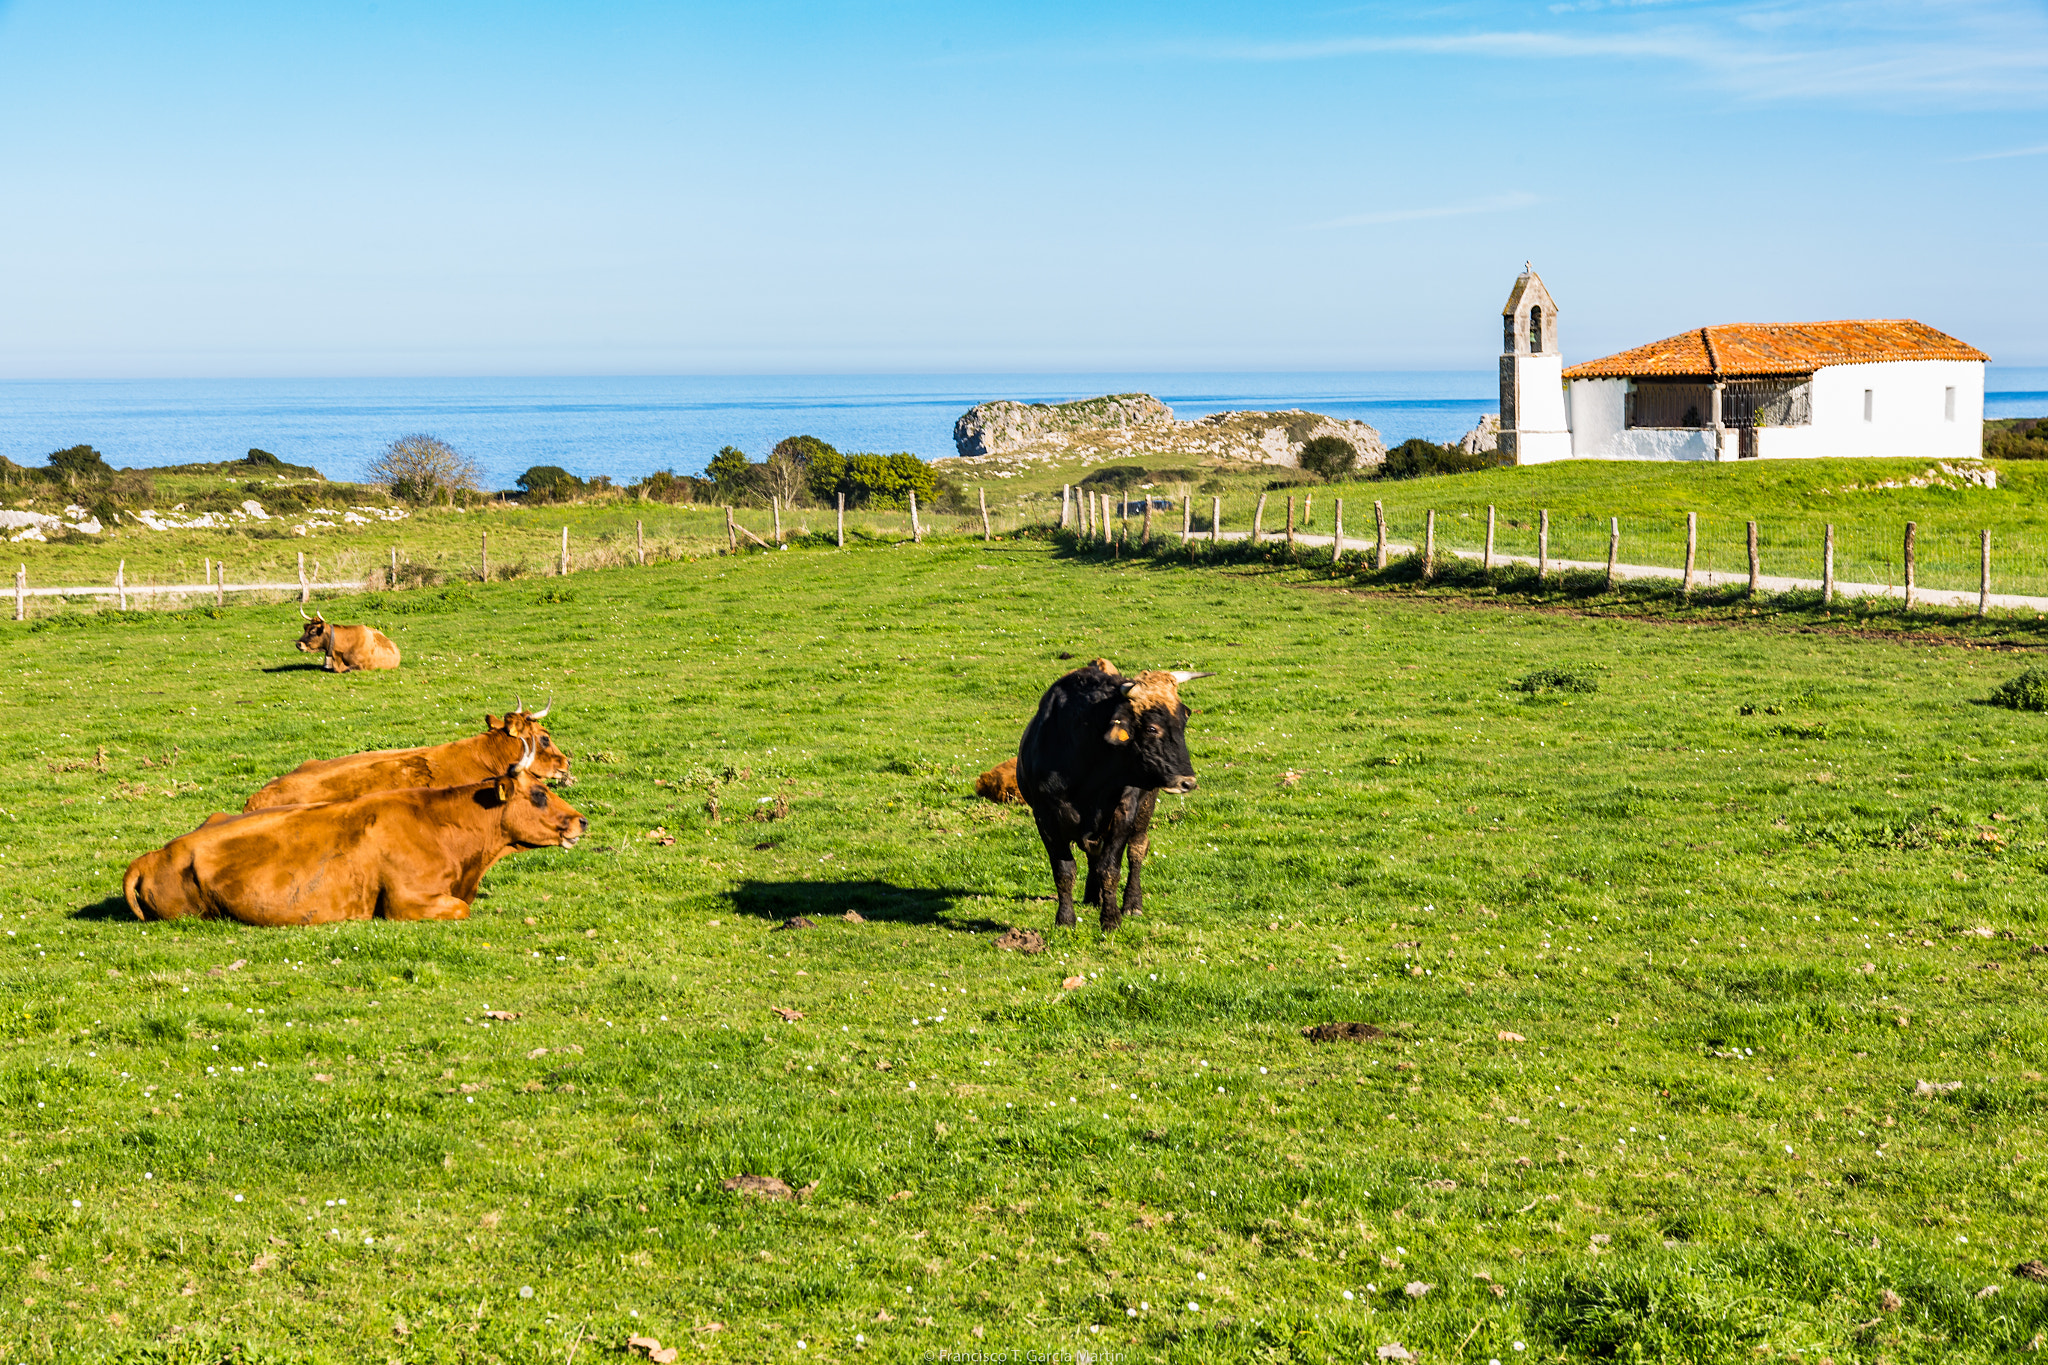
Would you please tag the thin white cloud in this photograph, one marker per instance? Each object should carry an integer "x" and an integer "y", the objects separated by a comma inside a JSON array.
[
  {"x": 1953, "y": 53},
  {"x": 1496, "y": 204},
  {"x": 2001, "y": 156}
]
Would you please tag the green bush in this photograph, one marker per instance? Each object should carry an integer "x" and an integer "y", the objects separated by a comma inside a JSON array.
[
  {"x": 263, "y": 459},
  {"x": 1329, "y": 457},
  {"x": 665, "y": 485},
  {"x": 1558, "y": 680},
  {"x": 2027, "y": 692},
  {"x": 2016, "y": 438},
  {"x": 868, "y": 480},
  {"x": 548, "y": 483},
  {"x": 1417, "y": 458},
  {"x": 81, "y": 463}
]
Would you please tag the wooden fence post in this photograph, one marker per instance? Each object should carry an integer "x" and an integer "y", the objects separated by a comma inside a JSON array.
[
  {"x": 1613, "y": 549},
  {"x": 1379, "y": 524},
  {"x": 732, "y": 537},
  {"x": 1308, "y": 507},
  {"x": 1827, "y": 566},
  {"x": 775, "y": 504},
  {"x": 987, "y": 534},
  {"x": 1487, "y": 564},
  {"x": 1259, "y": 519},
  {"x": 305, "y": 588},
  {"x": 483, "y": 554},
  {"x": 1692, "y": 548},
  {"x": 916, "y": 530},
  {"x": 220, "y": 583},
  {"x": 1429, "y": 546},
  {"x": 1337, "y": 540},
  {"x": 121, "y": 581},
  {"x": 1215, "y": 520},
  {"x": 1187, "y": 514},
  {"x": 1756, "y": 567},
  {"x": 394, "y": 566},
  {"x": 21, "y": 593},
  {"x": 1910, "y": 529},
  {"x": 842, "y": 520},
  {"x": 565, "y": 553},
  {"x": 1543, "y": 545},
  {"x": 1984, "y": 579},
  {"x": 639, "y": 540},
  {"x": 1145, "y": 532},
  {"x": 1290, "y": 526}
]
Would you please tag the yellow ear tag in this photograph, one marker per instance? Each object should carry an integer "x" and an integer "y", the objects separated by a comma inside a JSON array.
[
  {"x": 504, "y": 789},
  {"x": 1120, "y": 735}
]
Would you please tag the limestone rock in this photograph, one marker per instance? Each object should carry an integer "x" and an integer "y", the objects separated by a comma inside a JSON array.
[
  {"x": 992, "y": 428},
  {"x": 1138, "y": 426},
  {"x": 1482, "y": 438}
]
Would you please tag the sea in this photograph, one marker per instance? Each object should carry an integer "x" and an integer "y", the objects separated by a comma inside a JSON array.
[{"x": 629, "y": 426}]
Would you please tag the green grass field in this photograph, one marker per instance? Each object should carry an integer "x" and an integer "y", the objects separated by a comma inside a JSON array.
[{"x": 1733, "y": 902}]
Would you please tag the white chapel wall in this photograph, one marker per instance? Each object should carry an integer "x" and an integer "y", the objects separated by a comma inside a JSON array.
[{"x": 1908, "y": 403}]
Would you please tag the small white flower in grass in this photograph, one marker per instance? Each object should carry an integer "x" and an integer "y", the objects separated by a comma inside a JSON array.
[
  {"x": 367, "y": 1241},
  {"x": 78, "y": 1203},
  {"x": 860, "y": 1338},
  {"x": 1130, "y": 1312},
  {"x": 1520, "y": 1347},
  {"x": 1094, "y": 1327},
  {"x": 1348, "y": 1295},
  {"x": 149, "y": 1175},
  {"x": 1372, "y": 1289},
  {"x": 1194, "y": 1307},
  {"x": 913, "y": 1085},
  {"x": 800, "y": 1343},
  {"x": 238, "y": 1199},
  {"x": 1203, "y": 1275},
  {"x": 1789, "y": 1151},
  {"x": 525, "y": 1291},
  {"x": 1962, "y": 1239}
]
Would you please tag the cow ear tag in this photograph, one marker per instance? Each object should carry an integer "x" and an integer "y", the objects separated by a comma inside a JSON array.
[
  {"x": 1119, "y": 735},
  {"x": 505, "y": 789}
]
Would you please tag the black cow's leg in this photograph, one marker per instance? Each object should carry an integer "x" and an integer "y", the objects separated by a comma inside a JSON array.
[
  {"x": 1061, "y": 851},
  {"x": 1141, "y": 843}
]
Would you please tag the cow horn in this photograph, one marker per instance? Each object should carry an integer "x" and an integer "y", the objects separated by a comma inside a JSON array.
[
  {"x": 318, "y": 617},
  {"x": 302, "y": 612},
  {"x": 1183, "y": 676},
  {"x": 526, "y": 754},
  {"x": 519, "y": 704},
  {"x": 543, "y": 712}
]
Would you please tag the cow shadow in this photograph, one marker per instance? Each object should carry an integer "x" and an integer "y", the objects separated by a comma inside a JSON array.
[
  {"x": 870, "y": 899},
  {"x": 114, "y": 907},
  {"x": 297, "y": 668}
]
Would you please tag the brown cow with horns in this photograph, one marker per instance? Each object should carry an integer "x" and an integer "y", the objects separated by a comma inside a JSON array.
[
  {"x": 349, "y": 649},
  {"x": 453, "y": 764},
  {"x": 403, "y": 855}
]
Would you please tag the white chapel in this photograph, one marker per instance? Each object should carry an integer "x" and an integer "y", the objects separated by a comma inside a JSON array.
[{"x": 1798, "y": 390}]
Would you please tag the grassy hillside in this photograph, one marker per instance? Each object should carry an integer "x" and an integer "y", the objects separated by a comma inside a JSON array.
[{"x": 1736, "y": 904}]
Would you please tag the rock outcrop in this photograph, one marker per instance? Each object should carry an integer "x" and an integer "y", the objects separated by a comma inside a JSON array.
[
  {"x": 1482, "y": 438},
  {"x": 994, "y": 428},
  {"x": 1131, "y": 425}
]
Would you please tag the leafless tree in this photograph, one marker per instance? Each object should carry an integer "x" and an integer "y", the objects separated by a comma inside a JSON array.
[
  {"x": 785, "y": 476},
  {"x": 419, "y": 468}
]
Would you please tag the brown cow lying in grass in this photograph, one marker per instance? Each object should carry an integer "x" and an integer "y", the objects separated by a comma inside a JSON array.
[
  {"x": 999, "y": 784},
  {"x": 415, "y": 854},
  {"x": 349, "y": 649},
  {"x": 443, "y": 765}
]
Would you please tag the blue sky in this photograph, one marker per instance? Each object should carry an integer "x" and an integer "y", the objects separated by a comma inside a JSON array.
[{"x": 432, "y": 188}]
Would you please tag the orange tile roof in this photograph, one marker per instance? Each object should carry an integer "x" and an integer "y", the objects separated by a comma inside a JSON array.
[{"x": 1753, "y": 348}]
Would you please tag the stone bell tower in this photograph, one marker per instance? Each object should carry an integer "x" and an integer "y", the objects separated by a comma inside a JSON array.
[{"x": 1532, "y": 420}]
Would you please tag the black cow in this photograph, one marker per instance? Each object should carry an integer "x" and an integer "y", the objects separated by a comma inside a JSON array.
[{"x": 1092, "y": 763}]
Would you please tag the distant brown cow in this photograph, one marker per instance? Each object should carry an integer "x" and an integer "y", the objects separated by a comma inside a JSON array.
[
  {"x": 402, "y": 855},
  {"x": 1000, "y": 784},
  {"x": 443, "y": 765},
  {"x": 349, "y": 649}
]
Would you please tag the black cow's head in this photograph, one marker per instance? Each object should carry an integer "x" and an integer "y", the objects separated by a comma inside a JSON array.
[{"x": 1151, "y": 725}]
